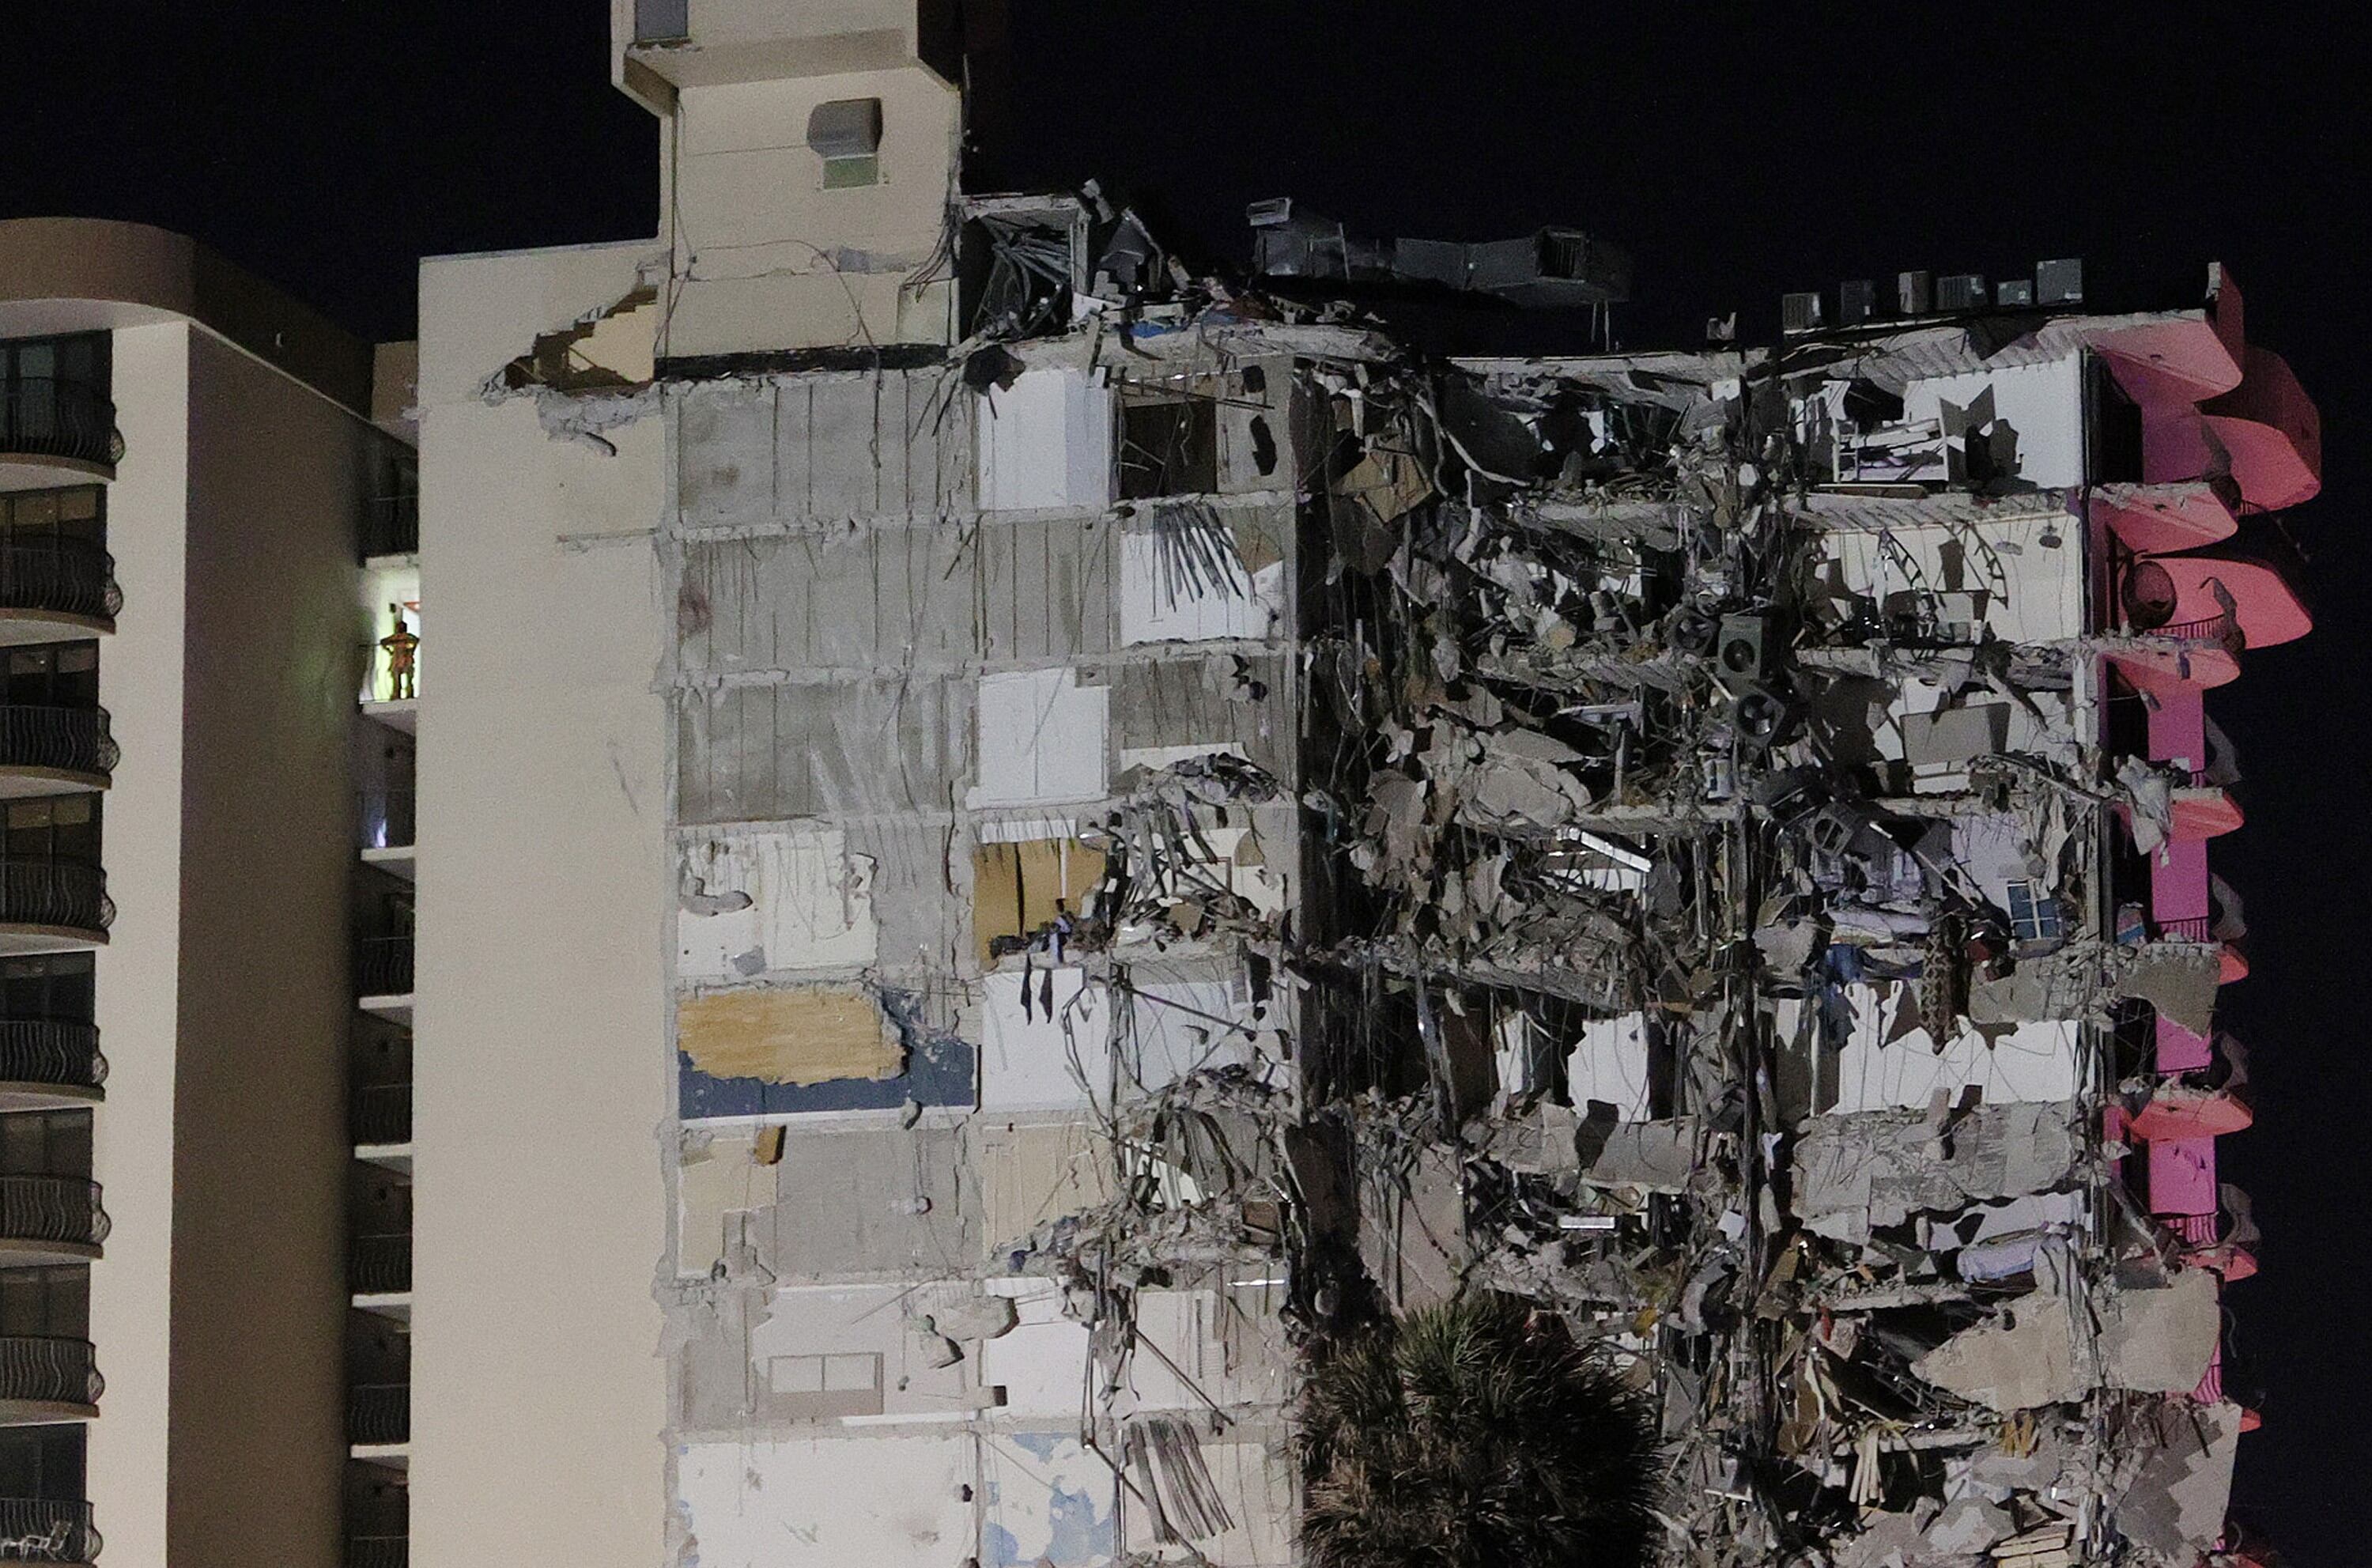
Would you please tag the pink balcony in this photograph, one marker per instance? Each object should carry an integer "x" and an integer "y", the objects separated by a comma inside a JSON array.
[
  {"x": 2184, "y": 359},
  {"x": 2175, "y": 663},
  {"x": 2208, "y": 1241},
  {"x": 2272, "y": 430},
  {"x": 2177, "y": 735},
  {"x": 2206, "y": 596},
  {"x": 2270, "y": 467},
  {"x": 2183, "y": 1177},
  {"x": 2155, "y": 519},
  {"x": 2180, "y": 908},
  {"x": 2177, "y": 1111},
  {"x": 2182, "y": 1051}
]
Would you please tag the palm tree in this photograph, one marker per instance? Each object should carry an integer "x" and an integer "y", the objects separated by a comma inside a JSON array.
[{"x": 1475, "y": 1435}]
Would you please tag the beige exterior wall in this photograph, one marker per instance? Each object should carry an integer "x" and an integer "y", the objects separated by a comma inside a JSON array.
[
  {"x": 138, "y": 972},
  {"x": 276, "y": 476},
  {"x": 218, "y": 1309},
  {"x": 540, "y": 1062},
  {"x": 769, "y": 259}
]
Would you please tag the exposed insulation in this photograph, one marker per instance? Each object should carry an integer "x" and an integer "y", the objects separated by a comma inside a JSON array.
[{"x": 789, "y": 1035}]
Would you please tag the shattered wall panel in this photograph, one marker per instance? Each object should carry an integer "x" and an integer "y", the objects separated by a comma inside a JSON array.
[
  {"x": 782, "y": 1501},
  {"x": 753, "y": 902}
]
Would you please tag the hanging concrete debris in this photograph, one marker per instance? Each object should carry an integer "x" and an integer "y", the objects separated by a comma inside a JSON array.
[{"x": 1208, "y": 827}]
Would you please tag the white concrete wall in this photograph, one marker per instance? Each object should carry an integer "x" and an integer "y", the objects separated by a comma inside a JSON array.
[
  {"x": 137, "y": 980},
  {"x": 541, "y": 1071}
]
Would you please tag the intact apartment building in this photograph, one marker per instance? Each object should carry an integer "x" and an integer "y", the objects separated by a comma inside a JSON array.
[
  {"x": 1005, "y": 837},
  {"x": 188, "y": 475}
]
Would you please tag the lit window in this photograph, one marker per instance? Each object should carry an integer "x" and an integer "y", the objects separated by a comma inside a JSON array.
[
  {"x": 847, "y": 134},
  {"x": 2033, "y": 917}
]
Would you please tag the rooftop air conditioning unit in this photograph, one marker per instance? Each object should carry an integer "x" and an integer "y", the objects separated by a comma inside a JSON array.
[
  {"x": 1915, "y": 293},
  {"x": 1856, "y": 301},
  {"x": 1960, "y": 291},
  {"x": 2013, "y": 291},
  {"x": 2060, "y": 283},
  {"x": 1800, "y": 312}
]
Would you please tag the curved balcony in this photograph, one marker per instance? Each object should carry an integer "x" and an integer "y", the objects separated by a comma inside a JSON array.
[
  {"x": 49, "y": 1219},
  {"x": 48, "y": 1065},
  {"x": 381, "y": 1114},
  {"x": 54, "y": 590},
  {"x": 378, "y": 1415},
  {"x": 52, "y": 429},
  {"x": 52, "y": 906},
  {"x": 2183, "y": 357},
  {"x": 2271, "y": 432},
  {"x": 44, "y": 1379},
  {"x": 2208, "y": 1243},
  {"x": 45, "y": 1529},
  {"x": 2176, "y": 1110},
  {"x": 379, "y": 1265},
  {"x": 2255, "y": 604},
  {"x": 2203, "y": 809},
  {"x": 2153, "y": 519},
  {"x": 46, "y": 750}
]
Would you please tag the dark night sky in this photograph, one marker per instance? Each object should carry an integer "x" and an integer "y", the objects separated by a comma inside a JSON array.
[{"x": 330, "y": 146}]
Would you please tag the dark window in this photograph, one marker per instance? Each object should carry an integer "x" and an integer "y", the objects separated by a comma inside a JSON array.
[
  {"x": 82, "y": 362},
  {"x": 59, "y": 674},
  {"x": 1169, "y": 448},
  {"x": 50, "y": 1303},
  {"x": 2116, "y": 431},
  {"x": 39, "y": 516},
  {"x": 52, "y": 988},
  {"x": 45, "y": 1142},
  {"x": 662, "y": 21},
  {"x": 42, "y": 1462},
  {"x": 391, "y": 524},
  {"x": 59, "y": 829}
]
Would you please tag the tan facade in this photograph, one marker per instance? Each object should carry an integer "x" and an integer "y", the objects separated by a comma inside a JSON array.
[{"x": 185, "y": 467}]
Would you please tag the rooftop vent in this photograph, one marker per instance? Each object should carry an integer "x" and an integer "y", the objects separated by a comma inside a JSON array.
[
  {"x": 2060, "y": 282},
  {"x": 1960, "y": 291}
]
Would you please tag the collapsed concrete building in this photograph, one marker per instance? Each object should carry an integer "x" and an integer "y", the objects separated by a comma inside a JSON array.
[{"x": 1169, "y": 822}]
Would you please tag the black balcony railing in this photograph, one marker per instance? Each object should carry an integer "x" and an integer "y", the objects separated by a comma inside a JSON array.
[
  {"x": 74, "y": 740},
  {"x": 383, "y": 966},
  {"x": 380, "y": 1113},
  {"x": 378, "y": 1265},
  {"x": 378, "y": 1412},
  {"x": 378, "y": 1552},
  {"x": 386, "y": 818},
  {"x": 2198, "y": 929},
  {"x": 69, "y": 577},
  {"x": 46, "y": 417},
  {"x": 42, "y": 1529},
  {"x": 57, "y": 1372},
  {"x": 56, "y": 892},
  {"x": 51, "y": 1208},
  {"x": 391, "y": 526},
  {"x": 38, "y": 1050}
]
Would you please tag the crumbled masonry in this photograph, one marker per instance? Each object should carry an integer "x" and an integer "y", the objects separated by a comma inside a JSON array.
[{"x": 1712, "y": 844}]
